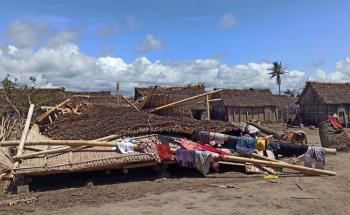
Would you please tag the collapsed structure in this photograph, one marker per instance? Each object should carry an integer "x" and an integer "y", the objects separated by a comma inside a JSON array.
[
  {"x": 155, "y": 96},
  {"x": 88, "y": 133}
]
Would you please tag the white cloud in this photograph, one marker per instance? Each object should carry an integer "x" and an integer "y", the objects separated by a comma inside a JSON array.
[
  {"x": 27, "y": 34},
  {"x": 66, "y": 36},
  {"x": 150, "y": 43},
  {"x": 65, "y": 65},
  {"x": 341, "y": 74},
  {"x": 227, "y": 21}
]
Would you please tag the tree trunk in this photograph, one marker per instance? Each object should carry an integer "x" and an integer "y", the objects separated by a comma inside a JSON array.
[{"x": 279, "y": 89}]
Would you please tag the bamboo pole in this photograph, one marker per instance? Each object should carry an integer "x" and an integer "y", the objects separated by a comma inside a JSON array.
[
  {"x": 59, "y": 149},
  {"x": 210, "y": 100},
  {"x": 208, "y": 107},
  {"x": 302, "y": 169},
  {"x": 70, "y": 148},
  {"x": 24, "y": 136},
  {"x": 184, "y": 100},
  {"x": 60, "y": 142},
  {"x": 25, "y": 130},
  {"x": 132, "y": 105},
  {"x": 47, "y": 113}
]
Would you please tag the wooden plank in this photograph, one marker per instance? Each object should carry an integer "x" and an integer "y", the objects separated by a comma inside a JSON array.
[
  {"x": 184, "y": 100},
  {"x": 132, "y": 105},
  {"x": 46, "y": 114}
]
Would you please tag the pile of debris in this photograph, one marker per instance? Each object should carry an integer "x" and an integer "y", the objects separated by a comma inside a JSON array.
[
  {"x": 77, "y": 136},
  {"x": 333, "y": 135},
  {"x": 124, "y": 121}
]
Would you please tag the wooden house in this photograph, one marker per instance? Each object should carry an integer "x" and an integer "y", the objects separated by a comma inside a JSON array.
[
  {"x": 241, "y": 105},
  {"x": 320, "y": 100},
  {"x": 155, "y": 96}
]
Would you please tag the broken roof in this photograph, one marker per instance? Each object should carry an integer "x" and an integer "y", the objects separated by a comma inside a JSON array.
[{"x": 176, "y": 92}]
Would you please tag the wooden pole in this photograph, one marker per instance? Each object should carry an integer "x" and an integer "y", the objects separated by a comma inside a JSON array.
[
  {"x": 210, "y": 100},
  {"x": 117, "y": 94},
  {"x": 302, "y": 169},
  {"x": 60, "y": 142},
  {"x": 46, "y": 114},
  {"x": 24, "y": 134},
  {"x": 208, "y": 107},
  {"x": 59, "y": 149},
  {"x": 25, "y": 130},
  {"x": 132, "y": 105},
  {"x": 184, "y": 100}
]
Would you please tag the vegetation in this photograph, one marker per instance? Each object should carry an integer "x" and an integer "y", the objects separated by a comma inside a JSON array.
[
  {"x": 20, "y": 95},
  {"x": 277, "y": 70}
]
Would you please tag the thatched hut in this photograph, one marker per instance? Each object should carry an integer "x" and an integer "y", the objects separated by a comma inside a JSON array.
[
  {"x": 320, "y": 100},
  {"x": 241, "y": 105},
  {"x": 156, "y": 96}
]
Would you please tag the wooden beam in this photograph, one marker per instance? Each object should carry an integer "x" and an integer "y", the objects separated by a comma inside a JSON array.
[
  {"x": 208, "y": 107},
  {"x": 47, "y": 113},
  {"x": 184, "y": 100},
  {"x": 60, "y": 142},
  {"x": 24, "y": 134},
  {"x": 132, "y": 105},
  {"x": 210, "y": 100},
  {"x": 302, "y": 169}
]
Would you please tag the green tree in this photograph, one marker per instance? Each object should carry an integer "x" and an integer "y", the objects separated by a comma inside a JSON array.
[{"x": 277, "y": 70}]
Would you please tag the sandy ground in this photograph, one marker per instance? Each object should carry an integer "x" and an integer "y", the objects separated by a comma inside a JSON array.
[{"x": 231, "y": 192}]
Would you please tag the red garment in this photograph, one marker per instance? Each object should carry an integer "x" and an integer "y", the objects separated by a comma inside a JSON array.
[
  {"x": 164, "y": 152},
  {"x": 190, "y": 145},
  {"x": 210, "y": 149},
  {"x": 335, "y": 122}
]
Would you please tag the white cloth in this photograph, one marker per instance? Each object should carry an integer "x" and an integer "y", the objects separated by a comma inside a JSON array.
[
  {"x": 125, "y": 146},
  {"x": 251, "y": 129}
]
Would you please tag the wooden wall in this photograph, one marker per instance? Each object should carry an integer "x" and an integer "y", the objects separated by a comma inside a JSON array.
[
  {"x": 314, "y": 110},
  {"x": 268, "y": 114}
]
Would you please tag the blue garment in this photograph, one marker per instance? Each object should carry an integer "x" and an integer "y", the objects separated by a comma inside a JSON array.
[{"x": 246, "y": 145}]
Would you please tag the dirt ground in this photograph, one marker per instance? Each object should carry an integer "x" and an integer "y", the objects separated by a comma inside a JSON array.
[{"x": 186, "y": 192}]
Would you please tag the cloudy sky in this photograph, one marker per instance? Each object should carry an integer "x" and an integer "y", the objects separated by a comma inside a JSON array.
[{"x": 89, "y": 45}]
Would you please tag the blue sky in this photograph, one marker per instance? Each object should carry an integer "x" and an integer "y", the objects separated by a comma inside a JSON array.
[{"x": 306, "y": 36}]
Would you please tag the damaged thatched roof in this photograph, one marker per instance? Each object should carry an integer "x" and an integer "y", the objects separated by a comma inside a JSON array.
[
  {"x": 329, "y": 93},
  {"x": 178, "y": 92},
  {"x": 103, "y": 98},
  {"x": 125, "y": 121}
]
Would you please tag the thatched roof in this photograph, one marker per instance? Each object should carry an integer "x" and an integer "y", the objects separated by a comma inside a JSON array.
[
  {"x": 246, "y": 97},
  {"x": 329, "y": 93},
  {"x": 285, "y": 100},
  {"x": 103, "y": 98},
  {"x": 252, "y": 98},
  {"x": 125, "y": 121},
  {"x": 177, "y": 92}
]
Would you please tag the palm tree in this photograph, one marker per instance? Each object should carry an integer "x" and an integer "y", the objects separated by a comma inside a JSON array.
[{"x": 276, "y": 71}]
